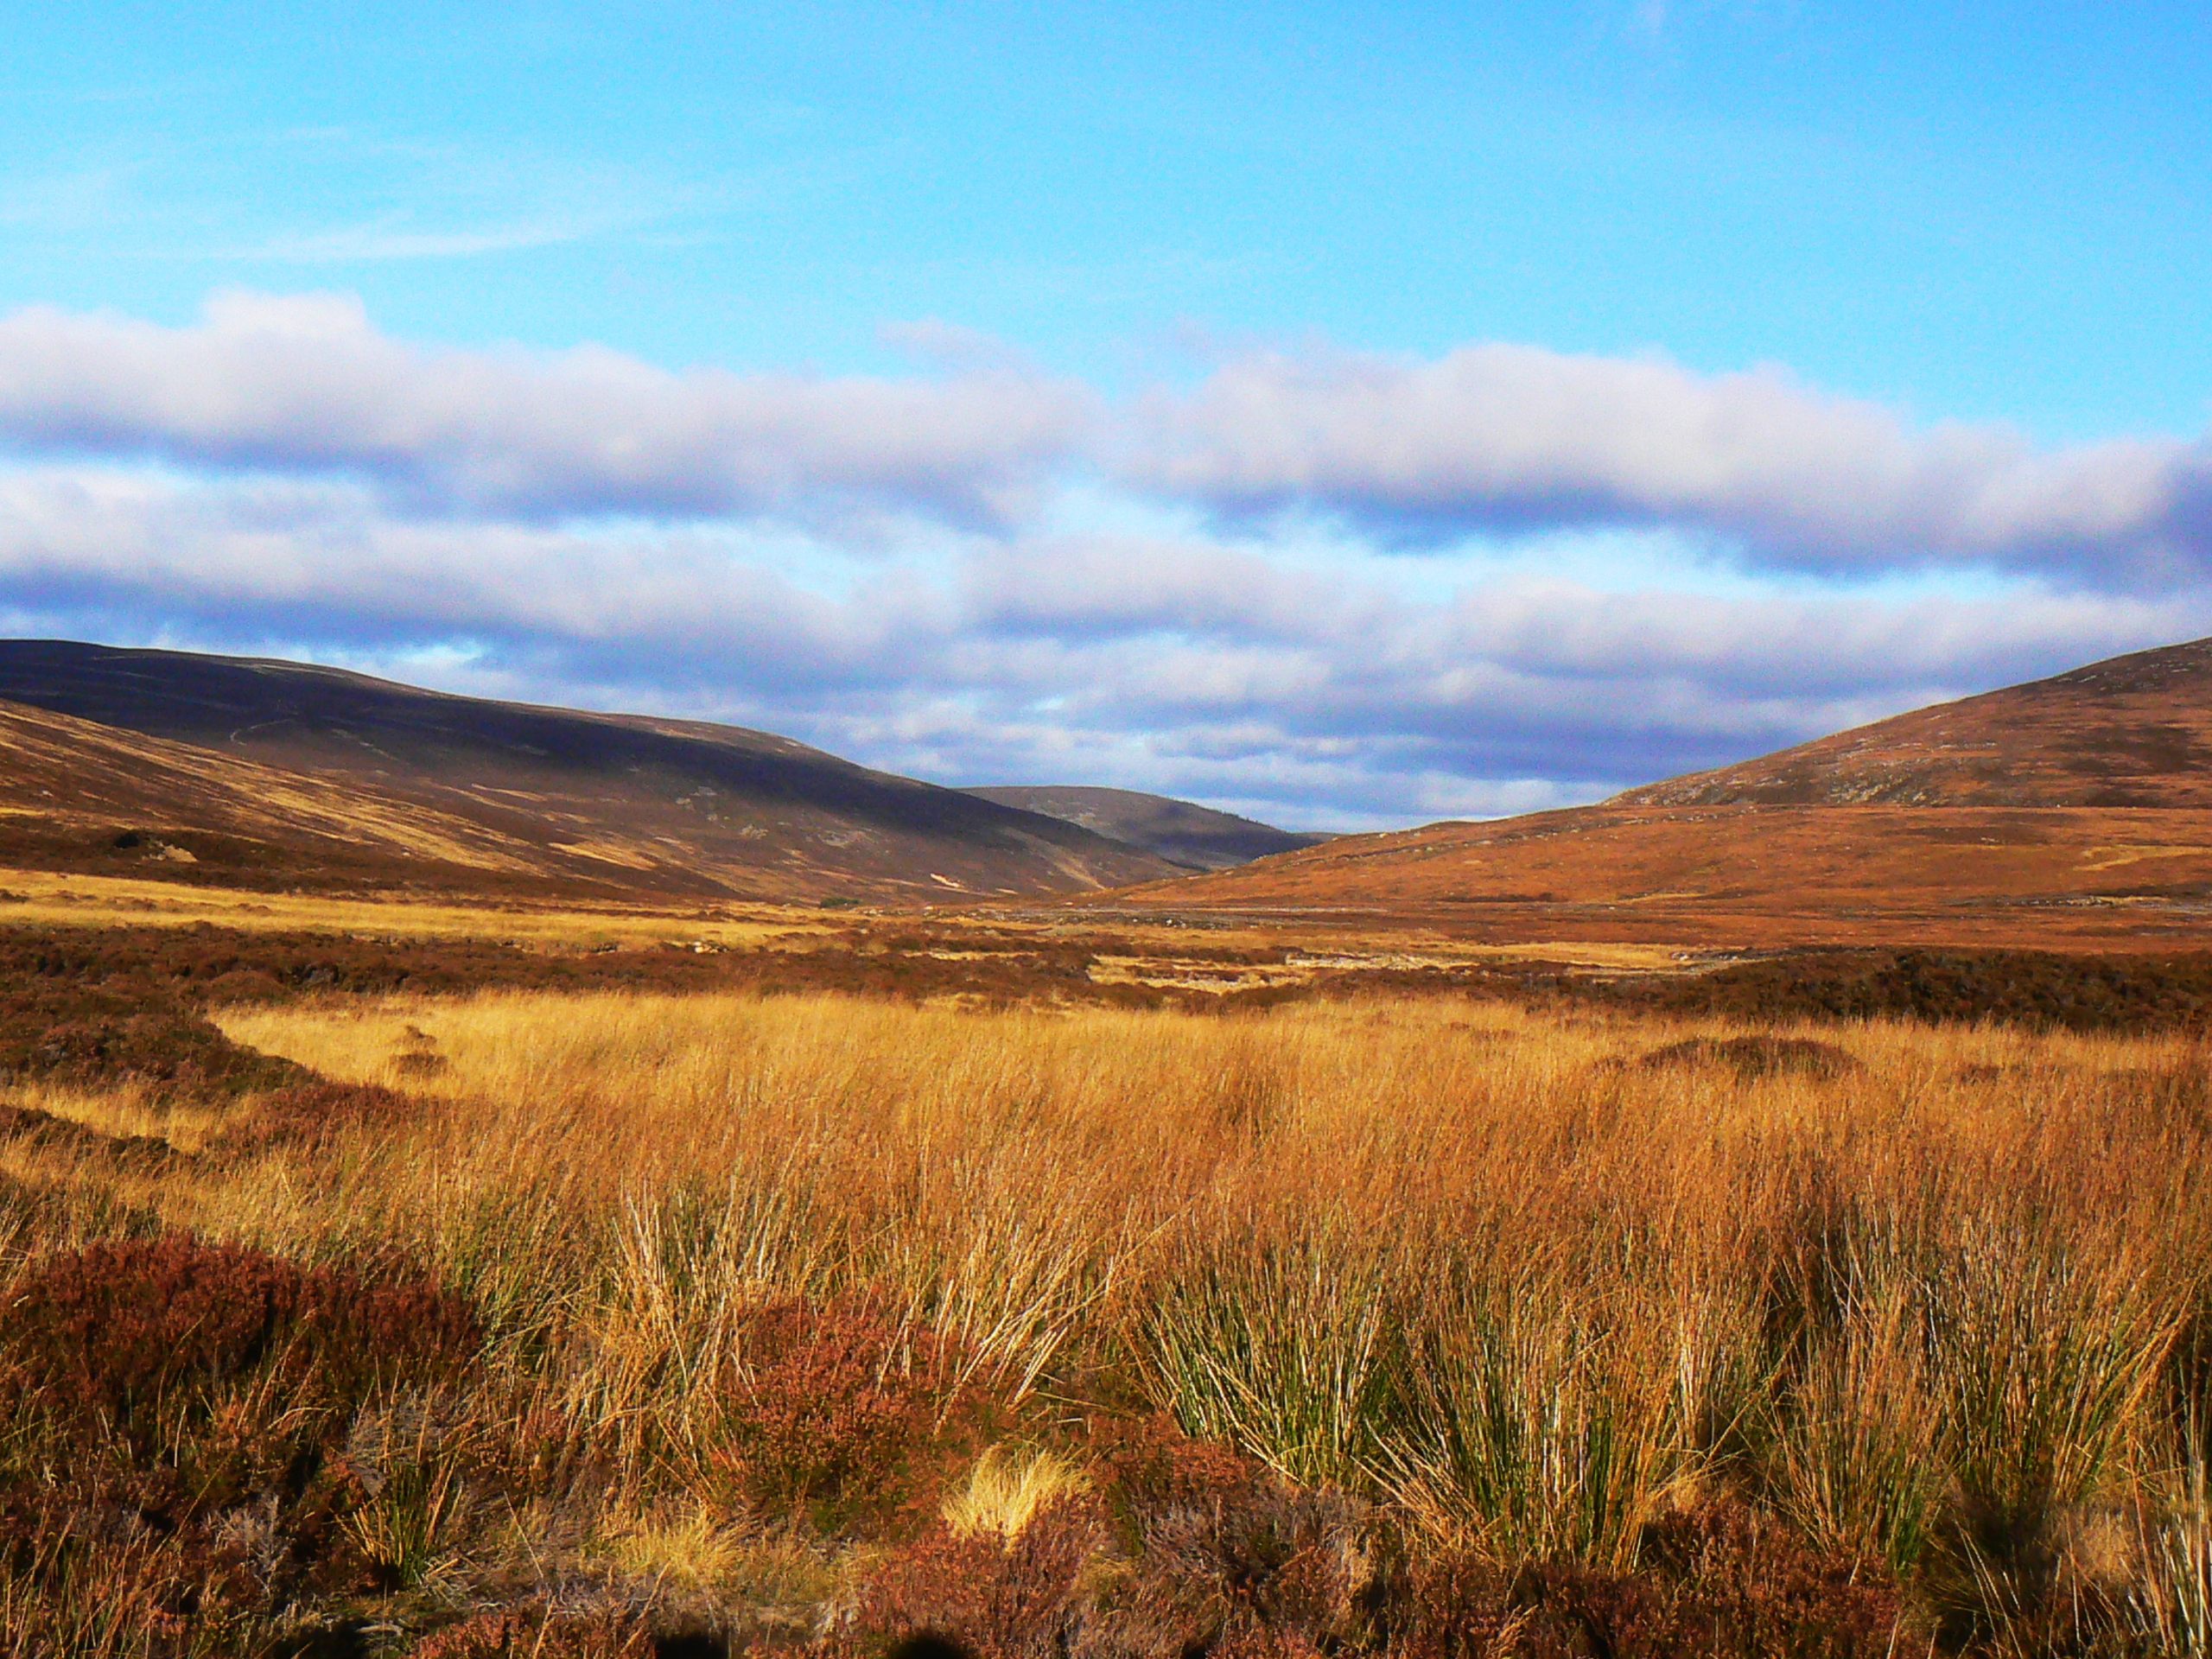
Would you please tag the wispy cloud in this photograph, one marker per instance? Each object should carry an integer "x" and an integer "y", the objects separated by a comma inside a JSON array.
[{"x": 385, "y": 239}]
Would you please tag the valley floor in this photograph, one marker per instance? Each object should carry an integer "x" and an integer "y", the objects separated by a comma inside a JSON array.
[{"x": 812, "y": 1284}]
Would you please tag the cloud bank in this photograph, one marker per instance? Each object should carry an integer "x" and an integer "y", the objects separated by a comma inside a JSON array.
[
  {"x": 1512, "y": 438},
  {"x": 936, "y": 573},
  {"x": 308, "y": 386}
]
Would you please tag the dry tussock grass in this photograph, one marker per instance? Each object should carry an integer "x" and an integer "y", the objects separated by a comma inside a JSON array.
[{"x": 822, "y": 1313}]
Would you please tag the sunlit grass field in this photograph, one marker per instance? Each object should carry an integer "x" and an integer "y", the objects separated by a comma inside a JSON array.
[{"x": 1466, "y": 1290}]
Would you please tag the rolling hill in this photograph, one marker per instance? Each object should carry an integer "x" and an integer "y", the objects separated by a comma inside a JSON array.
[
  {"x": 2068, "y": 809},
  {"x": 1197, "y": 837},
  {"x": 289, "y": 773},
  {"x": 2135, "y": 731}
]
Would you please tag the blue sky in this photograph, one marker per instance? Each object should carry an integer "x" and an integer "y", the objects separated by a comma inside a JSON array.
[{"x": 1354, "y": 415}]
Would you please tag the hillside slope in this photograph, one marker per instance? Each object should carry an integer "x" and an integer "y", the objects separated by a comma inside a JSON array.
[
  {"x": 2134, "y": 731},
  {"x": 79, "y": 797},
  {"x": 1183, "y": 832},
  {"x": 610, "y": 802},
  {"x": 2068, "y": 809}
]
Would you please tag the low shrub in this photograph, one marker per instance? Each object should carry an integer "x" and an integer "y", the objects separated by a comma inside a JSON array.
[
  {"x": 1024, "y": 1597},
  {"x": 536, "y": 1633},
  {"x": 1762, "y": 1055},
  {"x": 1717, "y": 1582},
  {"x": 136, "y": 1330},
  {"x": 833, "y": 1414},
  {"x": 180, "y": 1412},
  {"x": 28, "y": 1126},
  {"x": 1222, "y": 1549},
  {"x": 307, "y": 1113}
]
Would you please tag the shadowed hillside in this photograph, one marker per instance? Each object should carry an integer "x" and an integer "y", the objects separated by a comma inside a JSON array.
[
  {"x": 611, "y": 801},
  {"x": 1180, "y": 831},
  {"x": 2071, "y": 809}
]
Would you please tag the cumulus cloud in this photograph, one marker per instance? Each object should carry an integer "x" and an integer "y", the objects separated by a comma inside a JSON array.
[
  {"x": 1489, "y": 437},
  {"x": 323, "y": 562},
  {"x": 1326, "y": 697},
  {"x": 1503, "y": 437},
  {"x": 585, "y": 527},
  {"x": 307, "y": 385}
]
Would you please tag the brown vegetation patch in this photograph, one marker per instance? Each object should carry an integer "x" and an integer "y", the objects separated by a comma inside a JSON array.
[
  {"x": 537, "y": 1634},
  {"x": 1717, "y": 1580},
  {"x": 1761, "y": 1055},
  {"x": 833, "y": 1414},
  {"x": 176, "y": 1447},
  {"x": 28, "y": 1126},
  {"x": 2040, "y": 991},
  {"x": 990, "y": 1598}
]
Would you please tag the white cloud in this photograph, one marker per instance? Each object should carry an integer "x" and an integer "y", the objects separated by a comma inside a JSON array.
[
  {"x": 1516, "y": 438},
  {"x": 586, "y": 527},
  {"x": 305, "y": 384},
  {"x": 1329, "y": 698}
]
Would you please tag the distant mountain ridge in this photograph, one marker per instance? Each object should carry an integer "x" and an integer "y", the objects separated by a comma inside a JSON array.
[
  {"x": 1197, "y": 837},
  {"x": 606, "y": 803}
]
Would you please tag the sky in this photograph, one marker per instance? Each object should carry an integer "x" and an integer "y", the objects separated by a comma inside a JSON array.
[{"x": 1354, "y": 416}]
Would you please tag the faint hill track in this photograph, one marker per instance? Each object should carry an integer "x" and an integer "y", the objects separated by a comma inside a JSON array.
[{"x": 513, "y": 792}]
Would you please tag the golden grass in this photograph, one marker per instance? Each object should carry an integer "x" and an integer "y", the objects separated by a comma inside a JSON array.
[
  {"x": 1007, "y": 1489},
  {"x": 45, "y": 899},
  {"x": 1942, "y": 1303}
]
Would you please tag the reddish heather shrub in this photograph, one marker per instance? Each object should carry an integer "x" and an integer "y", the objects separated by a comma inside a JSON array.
[
  {"x": 1768, "y": 1587},
  {"x": 1151, "y": 1463},
  {"x": 124, "y": 1328},
  {"x": 1721, "y": 1582},
  {"x": 30, "y": 1127},
  {"x": 1025, "y": 1598},
  {"x": 835, "y": 1415},
  {"x": 309, "y": 1114},
  {"x": 1222, "y": 1547},
  {"x": 178, "y": 1411},
  {"x": 1763, "y": 1055},
  {"x": 1256, "y": 1643},
  {"x": 535, "y": 1635}
]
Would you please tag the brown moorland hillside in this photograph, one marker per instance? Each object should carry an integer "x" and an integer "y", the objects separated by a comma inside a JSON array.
[
  {"x": 79, "y": 797},
  {"x": 2069, "y": 810},
  {"x": 2133, "y": 731},
  {"x": 569, "y": 800}
]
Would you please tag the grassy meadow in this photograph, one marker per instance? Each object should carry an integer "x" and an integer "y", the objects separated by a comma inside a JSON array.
[{"x": 585, "y": 1321}]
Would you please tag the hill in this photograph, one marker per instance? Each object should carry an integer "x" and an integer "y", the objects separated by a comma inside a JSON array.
[
  {"x": 79, "y": 797},
  {"x": 484, "y": 792},
  {"x": 2135, "y": 731},
  {"x": 2071, "y": 809},
  {"x": 1197, "y": 837}
]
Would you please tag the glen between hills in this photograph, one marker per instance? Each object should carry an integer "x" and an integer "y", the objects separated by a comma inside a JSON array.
[
  {"x": 2066, "y": 811},
  {"x": 232, "y": 771}
]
